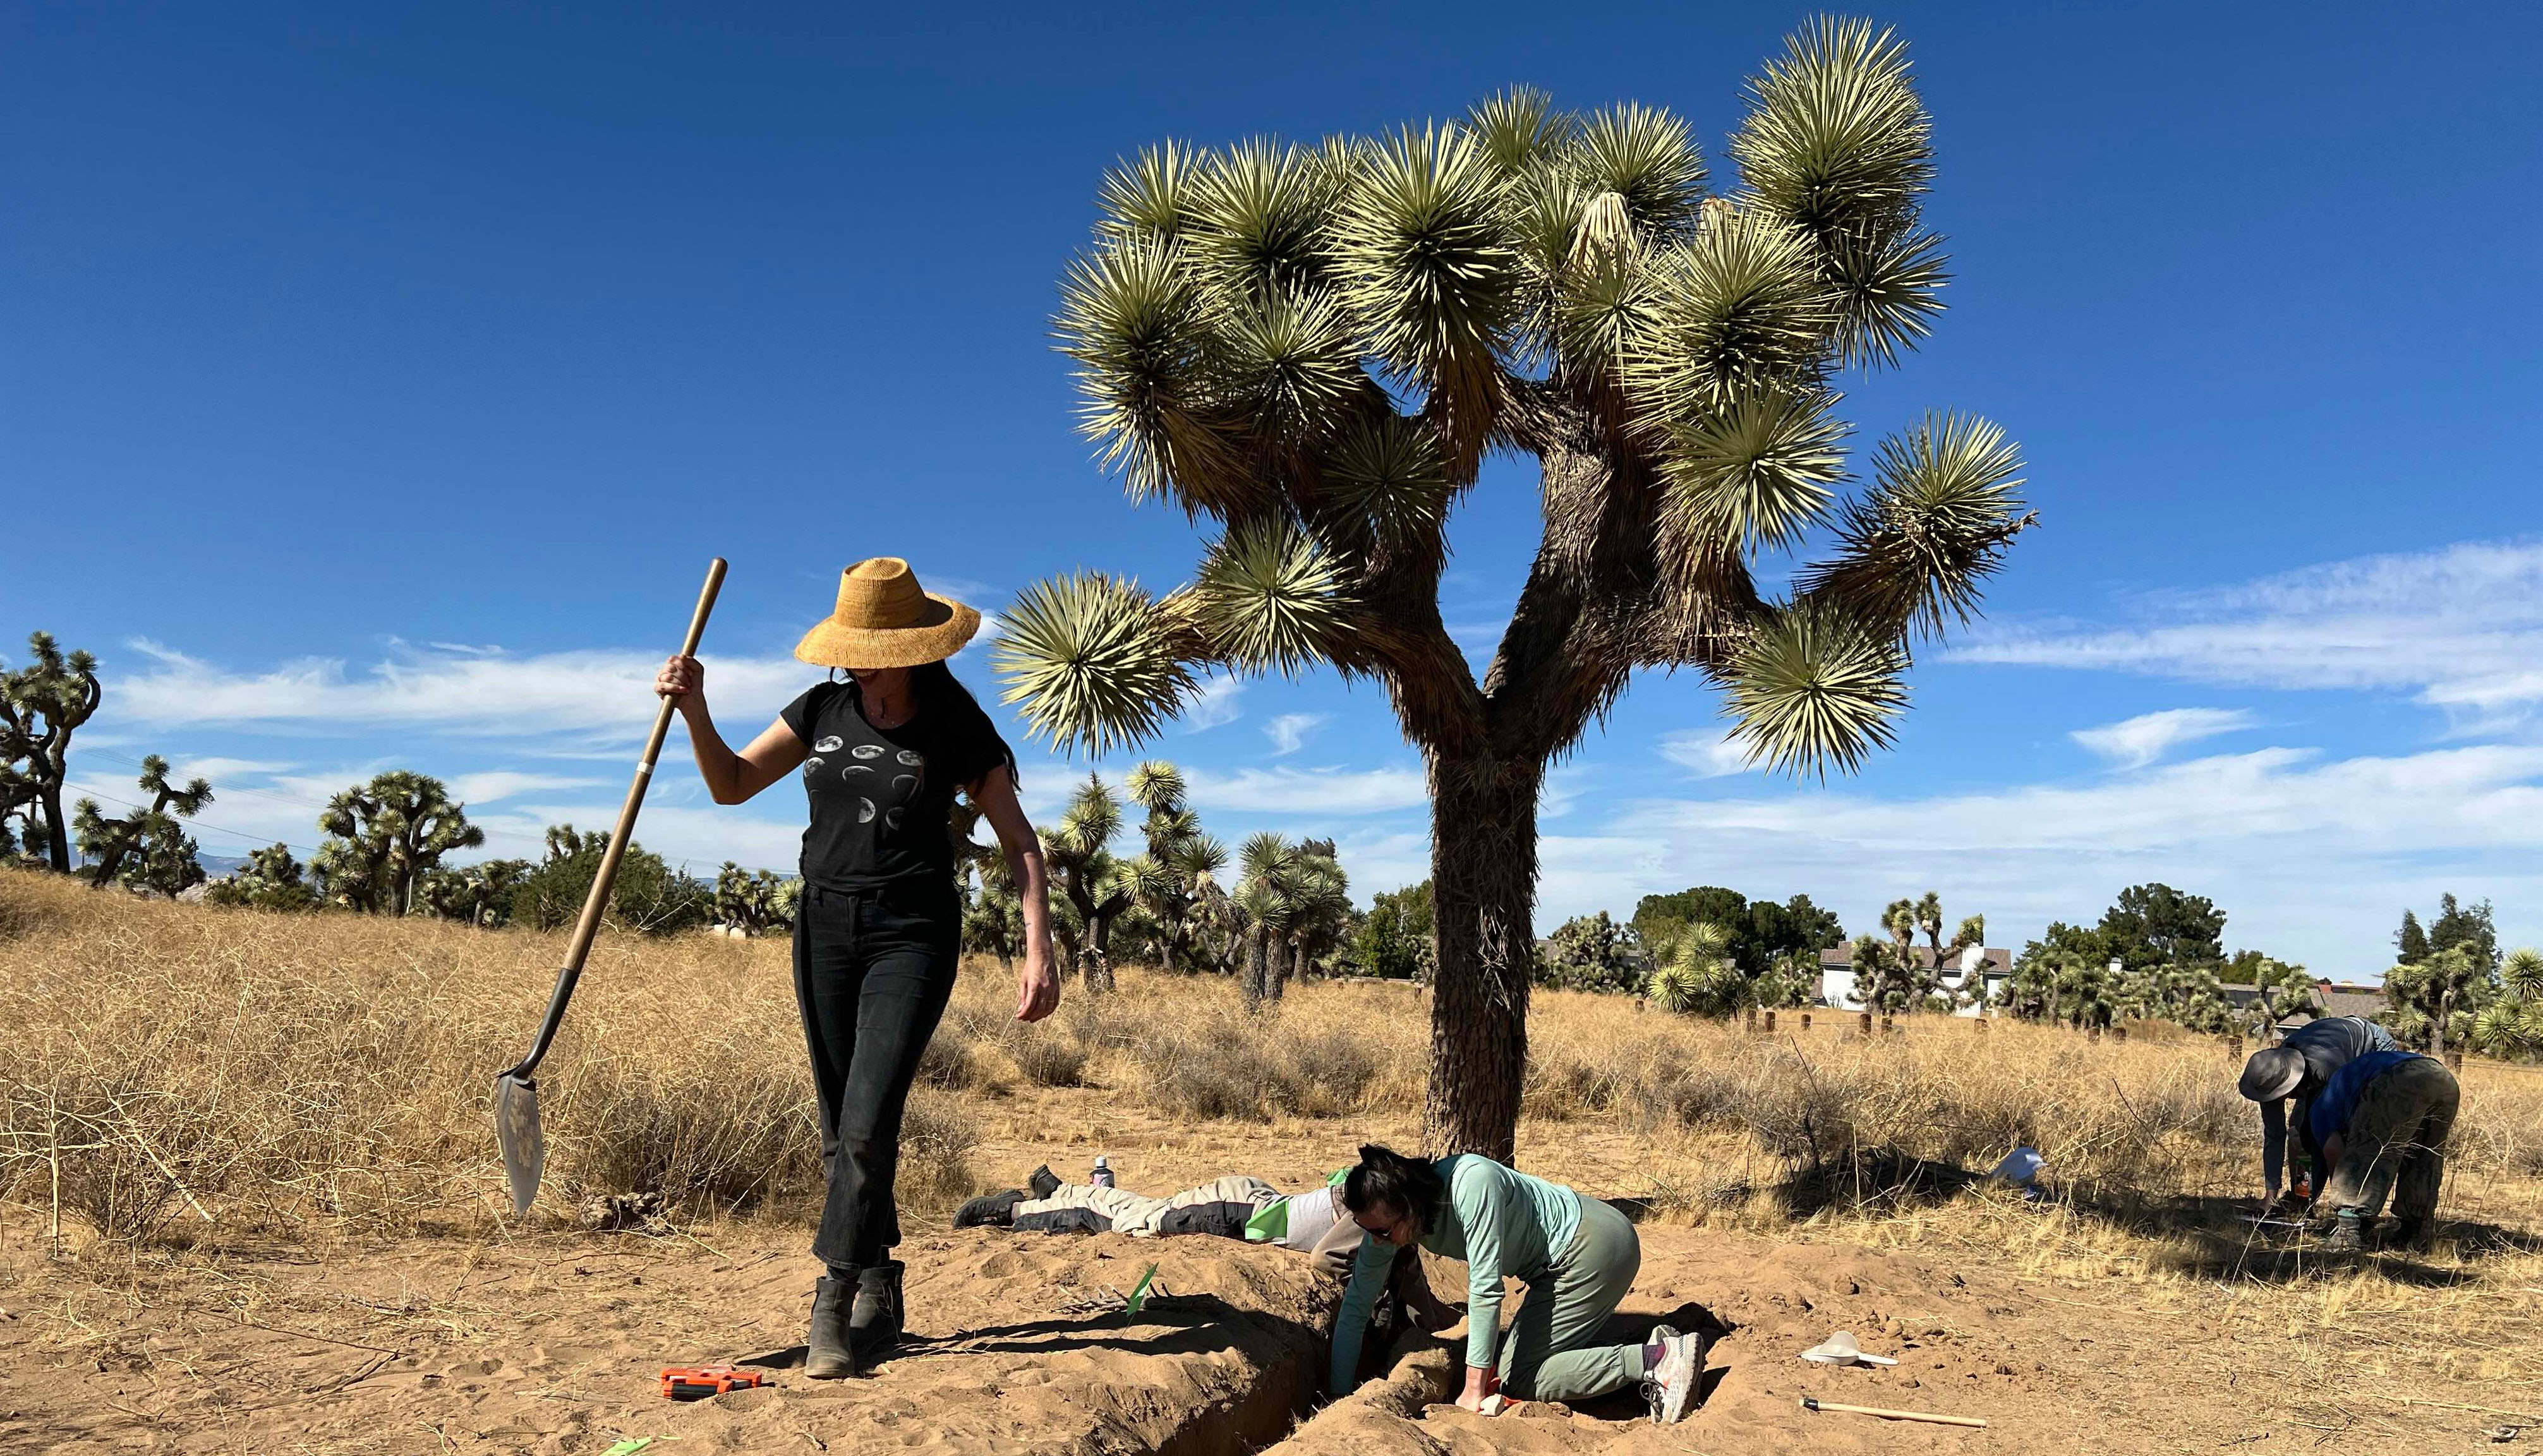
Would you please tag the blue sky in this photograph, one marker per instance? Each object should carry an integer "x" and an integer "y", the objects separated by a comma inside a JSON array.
[{"x": 376, "y": 380}]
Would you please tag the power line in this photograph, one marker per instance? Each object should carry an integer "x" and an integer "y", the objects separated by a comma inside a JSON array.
[
  {"x": 198, "y": 824},
  {"x": 302, "y": 804}
]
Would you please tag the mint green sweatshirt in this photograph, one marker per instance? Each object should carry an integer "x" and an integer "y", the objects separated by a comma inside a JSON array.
[{"x": 1500, "y": 1221}]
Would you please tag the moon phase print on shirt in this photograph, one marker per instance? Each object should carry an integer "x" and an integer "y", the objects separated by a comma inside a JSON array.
[
  {"x": 810, "y": 764},
  {"x": 891, "y": 817},
  {"x": 867, "y": 750},
  {"x": 829, "y": 744},
  {"x": 910, "y": 758},
  {"x": 865, "y": 811}
]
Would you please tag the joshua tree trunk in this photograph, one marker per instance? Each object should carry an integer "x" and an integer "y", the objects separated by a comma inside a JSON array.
[
  {"x": 1278, "y": 958},
  {"x": 1483, "y": 879},
  {"x": 1250, "y": 978},
  {"x": 57, "y": 835}
]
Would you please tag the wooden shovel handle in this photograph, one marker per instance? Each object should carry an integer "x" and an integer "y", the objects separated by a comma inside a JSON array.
[
  {"x": 1808, "y": 1404},
  {"x": 597, "y": 902}
]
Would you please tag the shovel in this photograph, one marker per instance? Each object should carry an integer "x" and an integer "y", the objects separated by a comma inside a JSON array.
[{"x": 516, "y": 1092}]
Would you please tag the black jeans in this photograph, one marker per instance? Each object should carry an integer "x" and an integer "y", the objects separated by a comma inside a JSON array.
[{"x": 873, "y": 972}]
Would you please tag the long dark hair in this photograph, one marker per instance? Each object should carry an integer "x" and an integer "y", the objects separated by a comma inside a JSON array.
[
  {"x": 935, "y": 685},
  {"x": 1385, "y": 1176}
]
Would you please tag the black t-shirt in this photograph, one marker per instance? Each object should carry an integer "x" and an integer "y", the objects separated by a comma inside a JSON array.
[{"x": 883, "y": 799}]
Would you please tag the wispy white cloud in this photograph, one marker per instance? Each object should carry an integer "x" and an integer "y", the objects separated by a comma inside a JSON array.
[
  {"x": 2138, "y": 741},
  {"x": 2313, "y": 858},
  {"x": 598, "y": 695},
  {"x": 1289, "y": 732},
  {"x": 1710, "y": 755},
  {"x": 2460, "y": 628},
  {"x": 497, "y": 784},
  {"x": 1219, "y": 702},
  {"x": 1306, "y": 792}
]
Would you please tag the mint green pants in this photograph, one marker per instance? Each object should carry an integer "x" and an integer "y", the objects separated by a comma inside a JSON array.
[{"x": 1546, "y": 1354}]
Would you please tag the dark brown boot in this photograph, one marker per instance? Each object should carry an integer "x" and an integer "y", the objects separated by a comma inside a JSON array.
[
  {"x": 828, "y": 1352},
  {"x": 874, "y": 1326}
]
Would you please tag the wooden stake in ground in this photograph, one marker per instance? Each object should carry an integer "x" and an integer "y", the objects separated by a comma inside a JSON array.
[{"x": 1810, "y": 1402}]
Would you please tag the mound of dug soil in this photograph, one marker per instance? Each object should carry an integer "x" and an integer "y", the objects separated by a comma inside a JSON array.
[{"x": 555, "y": 1348}]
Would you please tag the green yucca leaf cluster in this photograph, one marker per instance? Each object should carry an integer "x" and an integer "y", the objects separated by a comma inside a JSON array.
[{"x": 1316, "y": 345}]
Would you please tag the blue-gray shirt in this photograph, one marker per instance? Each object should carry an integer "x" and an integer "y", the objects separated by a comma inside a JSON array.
[{"x": 2327, "y": 1045}]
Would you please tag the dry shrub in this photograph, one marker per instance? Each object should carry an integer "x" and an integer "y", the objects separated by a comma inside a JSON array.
[
  {"x": 937, "y": 1140},
  {"x": 285, "y": 1071},
  {"x": 948, "y": 1062},
  {"x": 1046, "y": 1058},
  {"x": 277, "y": 1070},
  {"x": 1257, "y": 1067}
]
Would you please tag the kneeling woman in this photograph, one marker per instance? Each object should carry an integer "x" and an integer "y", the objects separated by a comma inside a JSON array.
[
  {"x": 1576, "y": 1257},
  {"x": 878, "y": 932}
]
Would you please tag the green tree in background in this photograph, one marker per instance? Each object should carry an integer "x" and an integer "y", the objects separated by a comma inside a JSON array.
[
  {"x": 1092, "y": 892},
  {"x": 2411, "y": 943},
  {"x": 1760, "y": 931},
  {"x": 1591, "y": 953},
  {"x": 1313, "y": 348},
  {"x": 2156, "y": 925},
  {"x": 648, "y": 897},
  {"x": 1182, "y": 864},
  {"x": 270, "y": 881},
  {"x": 1295, "y": 903},
  {"x": 2512, "y": 1025},
  {"x": 479, "y": 894},
  {"x": 2468, "y": 926},
  {"x": 41, "y": 706},
  {"x": 384, "y": 838},
  {"x": 146, "y": 847},
  {"x": 755, "y": 902},
  {"x": 1394, "y": 939}
]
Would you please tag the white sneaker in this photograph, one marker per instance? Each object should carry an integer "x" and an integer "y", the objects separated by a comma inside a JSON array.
[{"x": 1671, "y": 1384}]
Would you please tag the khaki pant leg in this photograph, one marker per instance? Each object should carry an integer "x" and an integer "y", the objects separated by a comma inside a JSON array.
[
  {"x": 2382, "y": 1131},
  {"x": 2423, "y": 1165}
]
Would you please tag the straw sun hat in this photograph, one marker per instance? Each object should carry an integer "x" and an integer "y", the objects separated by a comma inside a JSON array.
[{"x": 885, "y": 621}]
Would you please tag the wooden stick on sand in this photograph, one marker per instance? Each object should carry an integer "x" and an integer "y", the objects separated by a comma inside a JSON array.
[{"x": 1811, "y": 1404}]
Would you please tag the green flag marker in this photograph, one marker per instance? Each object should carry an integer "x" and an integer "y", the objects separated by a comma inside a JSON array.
[
  {"x": 1139, "y": 1296},
  {"x": 629, "y": 1448}
]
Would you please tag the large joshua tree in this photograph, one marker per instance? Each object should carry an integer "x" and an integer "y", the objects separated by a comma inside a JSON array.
[{"x": 1315, "y": 350}]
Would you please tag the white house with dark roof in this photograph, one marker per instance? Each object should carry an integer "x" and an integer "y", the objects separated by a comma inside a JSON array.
[{"x": 1991, "y": 965}]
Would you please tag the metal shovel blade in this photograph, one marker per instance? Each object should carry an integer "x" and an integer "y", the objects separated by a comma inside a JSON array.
[{"x": 517, "y": 1128}]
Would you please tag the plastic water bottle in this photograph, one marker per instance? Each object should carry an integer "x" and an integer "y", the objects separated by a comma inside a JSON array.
[{"x": 1103, "y": 1175}]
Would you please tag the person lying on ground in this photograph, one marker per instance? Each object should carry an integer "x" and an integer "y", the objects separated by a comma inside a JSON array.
[
  {"x": 1576, "y": 1257},
  {"x": 1311, "y": 1221},
  {"x": 2298, "y": 1069},
  {"x": 1238, "y": 1206},
  {"x": 877, "y": 931},
  {"x": 2383, "y": 1122}
]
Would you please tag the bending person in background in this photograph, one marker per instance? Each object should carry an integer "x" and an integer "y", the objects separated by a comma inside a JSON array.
[
  {"x": 878, "y": 932},
  {"x": 2298, "y": 1069},
  {"x": 2383, "y": 1123},
  {"x": 1576, "y": 1257}
]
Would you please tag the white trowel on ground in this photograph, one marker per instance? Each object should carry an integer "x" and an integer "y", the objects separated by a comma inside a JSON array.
[
  {"x": 1840, "y": 1349},
  {"x": 516, "y": 1091}
]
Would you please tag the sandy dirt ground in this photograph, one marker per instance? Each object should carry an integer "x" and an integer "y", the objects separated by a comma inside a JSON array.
[
  {"x": 478, "y": 1340},
  {"x": 552, "y": 1344}
]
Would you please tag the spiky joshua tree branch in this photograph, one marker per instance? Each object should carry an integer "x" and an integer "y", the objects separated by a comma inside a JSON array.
[{"x": 1312, "y": 351}]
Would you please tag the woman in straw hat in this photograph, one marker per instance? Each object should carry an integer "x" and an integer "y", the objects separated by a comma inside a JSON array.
[{"x": 878, "y": 929}]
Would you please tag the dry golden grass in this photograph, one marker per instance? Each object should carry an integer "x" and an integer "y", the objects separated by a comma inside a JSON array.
[{"x": 180, "y": 1070}]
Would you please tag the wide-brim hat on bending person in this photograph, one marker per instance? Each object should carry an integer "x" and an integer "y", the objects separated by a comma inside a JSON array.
[
  {"x": 883, "y": 620},
  {"x": 2273, "y": 1073}
]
